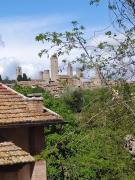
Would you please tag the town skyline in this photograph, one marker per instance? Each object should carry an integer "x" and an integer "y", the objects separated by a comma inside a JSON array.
[{"x": 18, "y": 45}]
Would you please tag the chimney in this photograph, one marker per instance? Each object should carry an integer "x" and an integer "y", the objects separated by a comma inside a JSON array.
[{"x": 35, "y": 104}]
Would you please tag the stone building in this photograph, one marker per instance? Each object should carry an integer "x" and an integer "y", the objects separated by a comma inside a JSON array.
[
  {"x": 40, "y": 76},
  {"x": 78, "y": 73},
  {"x": 18, "y": 72},
  {"x": 46, "y": 76},
  {"x": 70, "y": 70},
  {"x": 22, "y": 123},
  {"x": 56, "y": 83},
  {"x": 96, "y": 80},
  {"x": 54, "y": 67}
]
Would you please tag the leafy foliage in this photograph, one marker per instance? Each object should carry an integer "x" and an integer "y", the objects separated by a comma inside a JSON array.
[
  {"x": 74, "y": 100},
  {"x": 28, "y": 90},
  {"x": 24, "y": 78},
  {"x": 91, "y": 143},
  {"x": 0, "y": 78},
  {"x": 19, "y": 78},
  {"x": 123, "y": 11}
]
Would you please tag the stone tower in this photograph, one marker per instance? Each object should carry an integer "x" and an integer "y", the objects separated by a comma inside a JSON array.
[
  {"x": 46, "y": 76},
  {"x": 69, "y": 70},
  {"x": 41, "y": 75},
  {"x": 78, "y": 73},
  {"x": 97, "y": 79},
  {"x": 54, "y": 67},
  {"x": 18, "y": 71}
]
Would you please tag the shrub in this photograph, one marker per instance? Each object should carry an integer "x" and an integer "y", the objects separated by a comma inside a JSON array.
[{"x": 74, "y": 100}]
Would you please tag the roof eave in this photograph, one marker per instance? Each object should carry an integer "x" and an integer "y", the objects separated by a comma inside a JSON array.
[{"x": 41, "y": 123}]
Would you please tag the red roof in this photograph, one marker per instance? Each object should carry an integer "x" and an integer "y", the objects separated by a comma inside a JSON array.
[
  {"x": 11, "y": 154},
  {"x": 16, "y": 109}
]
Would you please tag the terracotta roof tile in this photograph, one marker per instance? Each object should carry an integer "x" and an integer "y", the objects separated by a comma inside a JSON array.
[
  {"x": 11, "y": 154},
  {"x": 17, "y": 109}
]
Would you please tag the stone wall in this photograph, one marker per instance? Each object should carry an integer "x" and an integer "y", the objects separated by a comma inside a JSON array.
[{"x": 39, "y": 171}]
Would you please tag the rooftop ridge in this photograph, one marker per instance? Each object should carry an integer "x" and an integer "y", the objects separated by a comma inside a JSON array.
[{"x": 10, "y": 89}]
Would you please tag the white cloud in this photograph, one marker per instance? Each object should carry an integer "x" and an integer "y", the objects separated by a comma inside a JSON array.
[{"x": 20, "y": 45}]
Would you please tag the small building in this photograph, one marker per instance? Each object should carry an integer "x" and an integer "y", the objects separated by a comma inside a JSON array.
[
  {"x": 64, "y": 79},
  {"x": 22, "y": 123}
]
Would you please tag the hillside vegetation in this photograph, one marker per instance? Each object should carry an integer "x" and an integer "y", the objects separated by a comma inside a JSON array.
[{"x": 91, "y": 143}]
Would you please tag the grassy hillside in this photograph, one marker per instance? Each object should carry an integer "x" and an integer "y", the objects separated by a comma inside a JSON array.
[{"x": 91, "y": 144}]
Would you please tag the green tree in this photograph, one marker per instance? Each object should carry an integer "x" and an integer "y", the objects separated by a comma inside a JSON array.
[
  {"x": 19, "y": 78},
  {"x": 24, "y": 78},
  {"x": 0, "y": 78},
  {"x": 66, "y": 42},
  {"x": 123, "y": 11},
  {"x": 74, "y": 100},
  {"x": 91, "y": 143}
]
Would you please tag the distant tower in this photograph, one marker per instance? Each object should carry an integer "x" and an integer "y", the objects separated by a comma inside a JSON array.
[
  {"x": 70, "y": 70},
  {"x": 54, "y": 67},
  {"x": 97, "y": 79},
  {"x": 41, "y": 75},
  {"x": 18, "y": 71},
  {"x": 46, "y": 76},
  {"x": 78, "y": 72}
]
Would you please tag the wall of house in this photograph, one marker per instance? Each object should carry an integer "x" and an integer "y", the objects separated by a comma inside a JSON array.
[
  {"x": 25, "y": 173},
  {"x": 19, "y": 173},
  {"x": 19, "y": 136},
  {"x": 36, "y": 140},
  {"x": 30, "y": 139},
  {"x": 8, "y": 176}
]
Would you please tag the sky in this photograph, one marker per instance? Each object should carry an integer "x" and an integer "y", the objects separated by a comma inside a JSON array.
[{"x": 21, "y": 21}]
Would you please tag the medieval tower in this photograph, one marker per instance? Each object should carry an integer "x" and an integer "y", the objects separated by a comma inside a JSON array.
[
  {"x": 18, "y": 72},
  {"x": 97, "y": 79},
  {"x": 78, "y": 73},
  {"x": 69, "y": 70},
  {"x": 41, "y": 75},
  {"x": 46, "y": 76},
  {"x": 54, "y": 67}
]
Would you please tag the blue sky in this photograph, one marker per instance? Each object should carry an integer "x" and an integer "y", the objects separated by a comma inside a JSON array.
[
  {"x": 21, "y": 21},
  {"x": 79, "y": 9}
]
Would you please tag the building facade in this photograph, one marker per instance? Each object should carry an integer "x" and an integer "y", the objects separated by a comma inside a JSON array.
[{"x": 22, "y": 123}]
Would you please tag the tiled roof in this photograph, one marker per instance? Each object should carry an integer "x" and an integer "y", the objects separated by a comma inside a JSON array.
[
  {"x": 11, "y": 154},
  {"x": 16, "y": 109}
]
